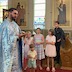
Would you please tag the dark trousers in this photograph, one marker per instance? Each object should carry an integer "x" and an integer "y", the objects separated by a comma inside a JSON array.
[
  {"x": 20, "y": 52},
  {"x": 57, "y": 59}
]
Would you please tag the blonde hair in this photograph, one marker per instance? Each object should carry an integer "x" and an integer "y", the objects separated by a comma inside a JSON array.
[
  {"x": 23, "y": 32},
  {"x": 28, "y": 32}
]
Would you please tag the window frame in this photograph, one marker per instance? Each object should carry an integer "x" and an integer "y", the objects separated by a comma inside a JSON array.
[
  {"x": 44, "y": 3},
  {"x": 3, "y": 6}
]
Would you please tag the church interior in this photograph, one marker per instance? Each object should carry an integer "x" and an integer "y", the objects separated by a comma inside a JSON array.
[{"x": 42, "y": 14}]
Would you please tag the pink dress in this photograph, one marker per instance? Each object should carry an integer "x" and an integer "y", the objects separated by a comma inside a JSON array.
[
  {"x": 39, "y": 48},
  {"x": 26, "y": 47},
  {"x": 50, "y": 50}
]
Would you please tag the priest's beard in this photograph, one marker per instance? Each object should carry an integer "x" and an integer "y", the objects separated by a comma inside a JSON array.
[{"x": 13, "y": 18}]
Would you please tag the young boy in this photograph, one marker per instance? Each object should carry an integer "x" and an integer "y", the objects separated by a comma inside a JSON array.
[{"x": 32, "y": 55}]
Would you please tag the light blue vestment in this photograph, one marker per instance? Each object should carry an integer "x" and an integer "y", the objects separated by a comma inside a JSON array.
[{"x": 9, "y": 48}]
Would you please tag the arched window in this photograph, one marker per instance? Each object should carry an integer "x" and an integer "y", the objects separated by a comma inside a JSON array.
[
  {"x": 3, "y": 5},
  {"x": 39, "y": 14}
]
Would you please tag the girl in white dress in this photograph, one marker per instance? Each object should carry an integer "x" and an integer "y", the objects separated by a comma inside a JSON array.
[
  {"x": 28, "y": 40},
  {"x": 39, "y": 40},
  {"x": 50, "y": 50}
]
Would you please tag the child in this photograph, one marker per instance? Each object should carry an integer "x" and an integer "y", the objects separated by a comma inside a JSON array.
[
  {"x": 38, "y": 41},
  {"x": 32, "y": 55},
  {"x": 50, "y": 50},
  {"x": 28, "y": 40}
]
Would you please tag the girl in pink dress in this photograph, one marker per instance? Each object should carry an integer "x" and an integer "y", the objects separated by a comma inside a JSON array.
[
  {"x": 28, "y": 40},
  {"x": 39, "y": 40},
  {"x": 50, "y": 50}
]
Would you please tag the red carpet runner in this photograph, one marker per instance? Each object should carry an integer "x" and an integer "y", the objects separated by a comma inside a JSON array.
[{"x": 44, "y": 70}]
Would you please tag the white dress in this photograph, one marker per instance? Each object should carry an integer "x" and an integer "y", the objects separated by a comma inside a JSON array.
[
  {"x": 26, "y": 47},
  {"x": 50, "y": 50}
]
